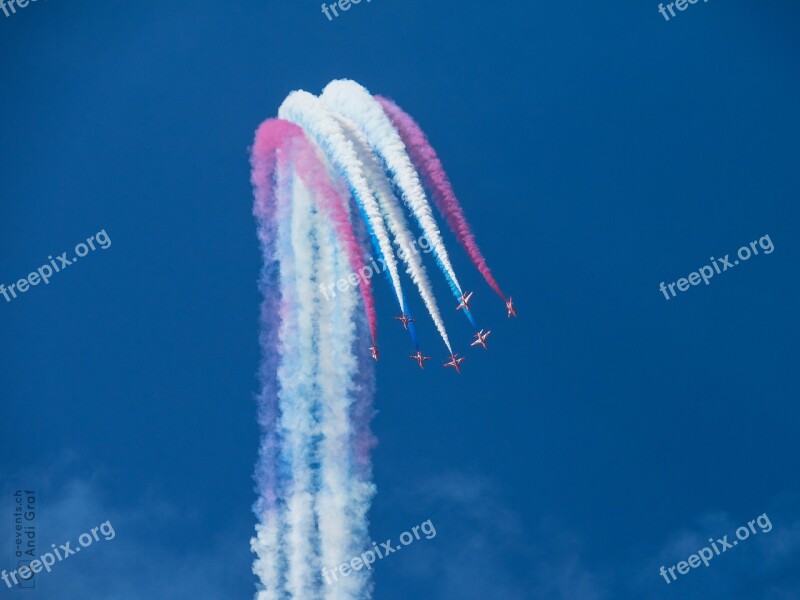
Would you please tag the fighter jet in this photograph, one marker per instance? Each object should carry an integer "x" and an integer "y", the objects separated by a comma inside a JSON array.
[
  {"x": 464, "y": 301},
  {"x": 417, "y": 356},
  {"x": 510, "y": 306},
  {"x": 374, "y": 352},
  {"x": 405, "y": 320},
  {"x": 455, "y": 362},
  {"x": 481, "y": 338}
]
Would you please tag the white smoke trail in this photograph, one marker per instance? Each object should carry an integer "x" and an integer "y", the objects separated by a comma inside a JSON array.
[
  {"x": 396, "y": 221},
  {"x": 353, "y": 101},
  {"x": 297, "y": 424},
  {"x": 342, "y": 500},
  {"x": 267, "y": 565},
  {"x": 307, "y": 111}
]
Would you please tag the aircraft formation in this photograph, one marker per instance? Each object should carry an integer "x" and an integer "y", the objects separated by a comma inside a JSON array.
[
  {"x": 454, "y": 360},
  {"x": 338, "y": 178}
]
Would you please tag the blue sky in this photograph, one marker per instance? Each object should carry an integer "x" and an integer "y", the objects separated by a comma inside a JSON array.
[{"x": 597, "y": 149}]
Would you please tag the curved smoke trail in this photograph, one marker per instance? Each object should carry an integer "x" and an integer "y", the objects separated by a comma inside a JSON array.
[
  {"x": 428, "y": 164},
  {"x": 396, "y": 222},
  {"x": 354, "y": 102},
  {"x": 305, "y": 110},
  {"x": 314, "y": 476},
  {"x": 277, "y": 133}
]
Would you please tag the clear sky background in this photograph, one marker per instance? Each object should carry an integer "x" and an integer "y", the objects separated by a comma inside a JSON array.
[{"x": 597, "y": 149}]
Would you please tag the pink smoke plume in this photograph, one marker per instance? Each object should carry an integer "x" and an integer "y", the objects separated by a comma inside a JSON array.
[
  {"x": 430, "y": 167},
  {"x": 278, "y": 135}
]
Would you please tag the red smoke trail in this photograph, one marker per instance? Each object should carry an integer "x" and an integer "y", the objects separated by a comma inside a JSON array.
[
  {"x": 430, "y": 167},
  {"x": 278, "y": 135}
]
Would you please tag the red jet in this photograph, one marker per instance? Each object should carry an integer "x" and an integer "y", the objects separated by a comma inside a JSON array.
[
  {"x": 464, "y": 301},
  {"x": 455, "y": 362},
  {"x": 481, "y": 338},
  {"x": 405, "y": 320},
  {"x": 374, "y": 350},
  {"x": 417, "y": 356},
  {"x": 510, "y": 306}
]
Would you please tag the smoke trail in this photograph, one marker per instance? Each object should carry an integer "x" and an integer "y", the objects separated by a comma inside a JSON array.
[
  {"x": 269, "y": 564},
  {"x": 284, "y": 535},
  {"x": 305, "y": 110},
  {"x": 315, "y": 394},
  {"x": 315, "y": 403},
  {"x": 274, "y": 138},
  {"x": 353, "y": 101},
  {"x": 343, "y": 499},
  {"x": 396, "y": 223},
  {"x": 276, "y": 133},
  {"x": 428, "y": 164},
  {"x": 297, "y": 425}
]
